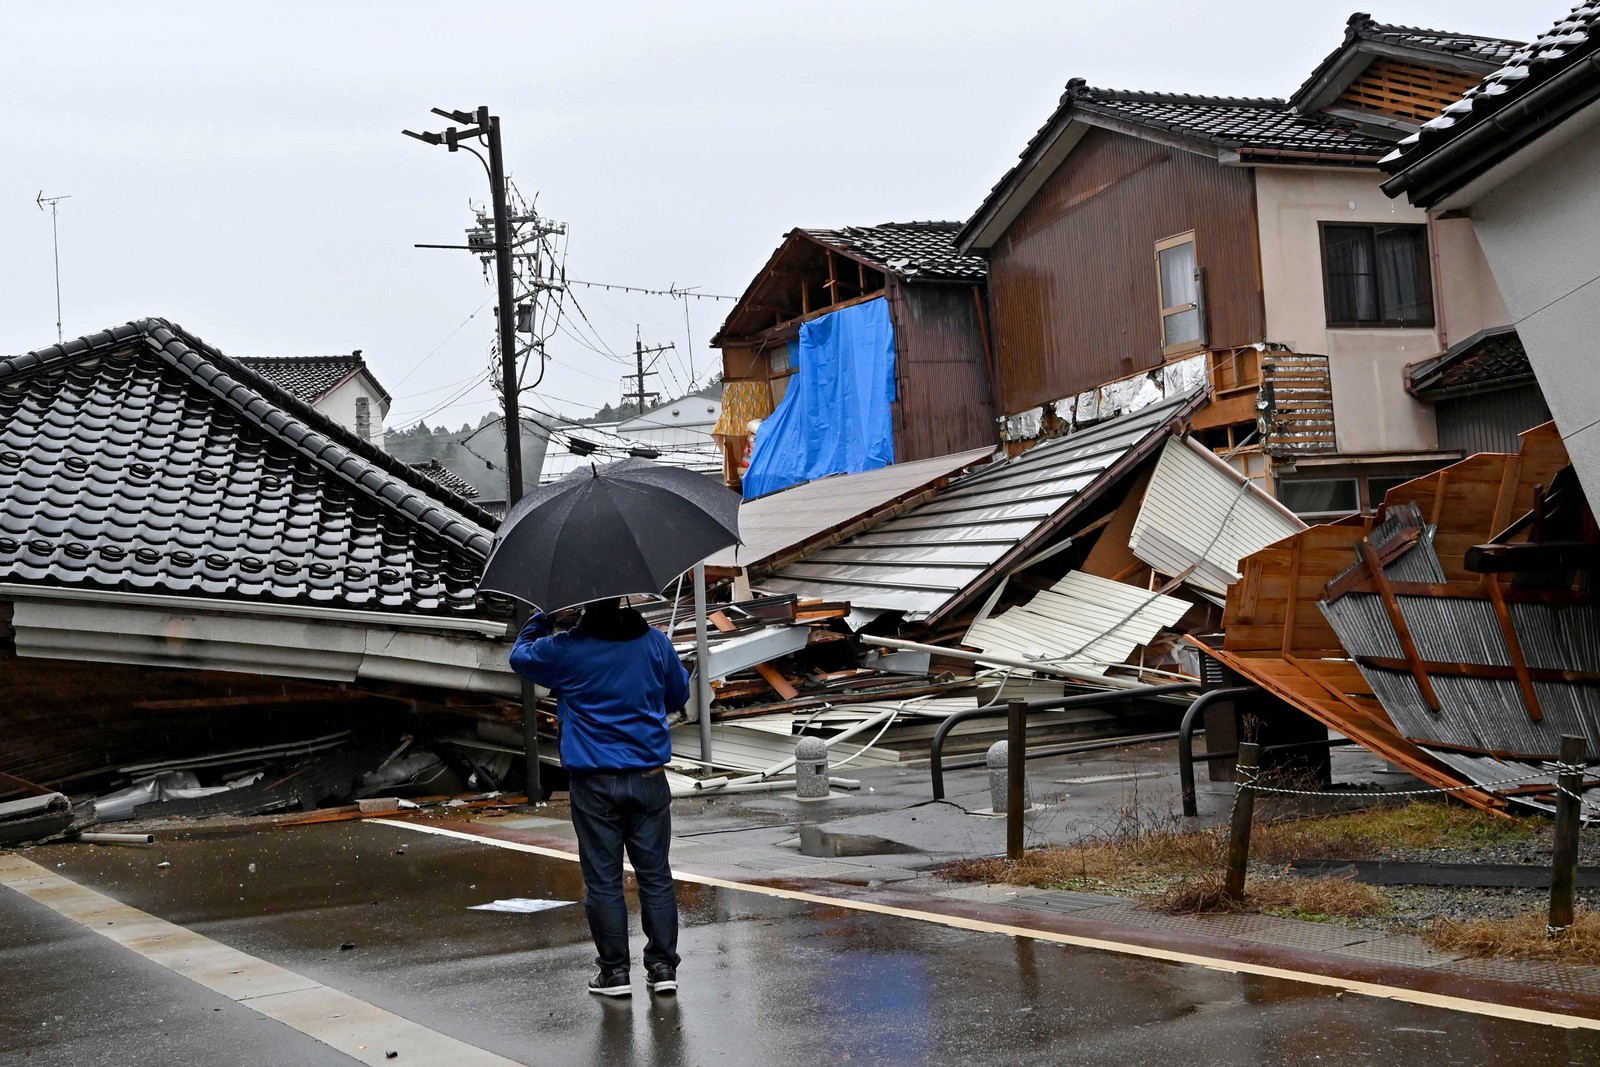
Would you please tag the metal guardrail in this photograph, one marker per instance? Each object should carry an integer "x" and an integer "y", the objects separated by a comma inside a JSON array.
[{"x": 1017, "y": 744}]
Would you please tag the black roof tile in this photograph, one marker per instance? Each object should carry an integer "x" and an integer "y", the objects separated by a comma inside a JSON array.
[
  {"x": 308, "y": 378},
  {"x": 1255, "y": 125},
  {"x": 1527, "y": 71},
  {"x": 438, "y": 472},
  {"x": 1488, "y": 358},
  {"x": 141, "y": 458},
  {"x": 918, "y": 250}
]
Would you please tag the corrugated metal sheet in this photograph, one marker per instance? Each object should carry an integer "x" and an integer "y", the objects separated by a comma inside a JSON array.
[
  {"x": 1072, "y": 282},
  {"x": 1083, "y": 622},
  {"x": 919, "y": 561},
  {"x": 1492, "y": 421},
  {"x": 1484, "y": 714},
  {"x": 1199, "y": 512},
  {"x": 772, "y": 525}
]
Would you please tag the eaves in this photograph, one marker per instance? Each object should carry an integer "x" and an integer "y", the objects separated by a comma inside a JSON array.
[{"x": 1446, "y": 176}]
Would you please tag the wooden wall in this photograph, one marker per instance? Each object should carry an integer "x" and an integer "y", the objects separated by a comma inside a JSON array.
[
  {"x": 941, "y": 369},
  {"x": 1072, "y": 281}
]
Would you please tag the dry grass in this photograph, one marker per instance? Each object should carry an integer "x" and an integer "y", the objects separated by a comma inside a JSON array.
[
  {"x": 1417, "y": 825},
  {"x": 1142, "y": 860},
  {"x": 1313, "y": 899},
  {"x": 1522, "y": 937}
]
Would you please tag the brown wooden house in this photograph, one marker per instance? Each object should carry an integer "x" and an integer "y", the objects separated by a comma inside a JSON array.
[
  {"x": 1248, "y": 240},
  {"x": 943, "y": 374}
]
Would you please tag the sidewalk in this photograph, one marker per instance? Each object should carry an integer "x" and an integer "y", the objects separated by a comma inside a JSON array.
[{"x": 886, "y": 840}]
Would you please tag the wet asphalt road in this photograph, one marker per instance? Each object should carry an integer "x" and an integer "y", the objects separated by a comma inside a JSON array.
[{"x": 765, "y": 980}]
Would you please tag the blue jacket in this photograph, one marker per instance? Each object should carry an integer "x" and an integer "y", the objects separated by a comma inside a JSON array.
[{"x": 613, "y": 693}]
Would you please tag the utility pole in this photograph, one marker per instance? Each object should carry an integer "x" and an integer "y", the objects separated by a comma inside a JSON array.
[
  {"x": 487, "y": 131},
  {"x": 55, "y": 240},
  {"x": 639, "y": 396}
]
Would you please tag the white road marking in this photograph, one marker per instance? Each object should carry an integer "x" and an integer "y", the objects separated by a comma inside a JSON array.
[
  {"x": 1370, "y": 989},
  {"x": 360, "y": 1030}
]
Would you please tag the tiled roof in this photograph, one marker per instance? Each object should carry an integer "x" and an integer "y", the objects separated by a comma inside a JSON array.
[
  {"x": 1457, "y": 50},
  {"x": 1486, "y": 358},
  {"x": 1250, "y": 128},
  {"x": 308, "y": 378},
  {"x": 142, "y": 459},
  {"x": 438, "y": 472},
  {"x": 919, "y": 250},
  {"x": 1255, "y": 126},
  {"x": 1529, "y": 70}
]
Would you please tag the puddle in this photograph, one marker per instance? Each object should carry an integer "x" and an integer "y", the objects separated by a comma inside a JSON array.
[{"x": 816, "y": 842}]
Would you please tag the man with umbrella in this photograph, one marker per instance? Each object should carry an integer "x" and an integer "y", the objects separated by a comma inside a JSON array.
[
  {"x": 616, "y": 678},
  {"x": 591, "y": 538}
]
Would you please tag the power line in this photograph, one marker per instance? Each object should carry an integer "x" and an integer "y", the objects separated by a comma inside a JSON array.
[
  {"x": 673, "y": 291},
  {"x": 441, "y": 344}
]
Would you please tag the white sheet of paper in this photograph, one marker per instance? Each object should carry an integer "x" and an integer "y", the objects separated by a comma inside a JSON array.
[{"x": 520, "y": 905}]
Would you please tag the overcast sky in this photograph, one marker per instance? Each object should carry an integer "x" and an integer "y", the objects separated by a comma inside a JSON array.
[{"x": 239, "y": 169}]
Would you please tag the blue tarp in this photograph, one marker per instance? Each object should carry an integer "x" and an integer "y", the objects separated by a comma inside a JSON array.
[{"x": 835, "y": 417}]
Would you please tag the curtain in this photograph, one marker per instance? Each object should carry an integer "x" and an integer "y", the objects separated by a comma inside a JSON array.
[
  {"x": 1348, "y": 260},
  {"x": 1404, "y": 288}
]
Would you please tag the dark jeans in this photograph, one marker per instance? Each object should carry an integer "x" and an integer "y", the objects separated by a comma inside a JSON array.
[{"x": 633, "y": 811}]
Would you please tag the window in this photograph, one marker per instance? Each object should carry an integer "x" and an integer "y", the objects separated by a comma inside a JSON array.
[
  {"x": 1377, "y": 275},
  {"x": 1182, "y": 328},
  {"x": 1316, "y": 498}
]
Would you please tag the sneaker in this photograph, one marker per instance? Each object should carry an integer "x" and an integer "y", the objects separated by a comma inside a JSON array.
[
  {"x": 611, "y": 984},
  {"x": 662, "y": 978}
]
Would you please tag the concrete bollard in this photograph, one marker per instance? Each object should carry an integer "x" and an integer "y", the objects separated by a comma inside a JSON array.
[
  {"x": 810, "y": 769},
  {"x": 996, "y": 759}
]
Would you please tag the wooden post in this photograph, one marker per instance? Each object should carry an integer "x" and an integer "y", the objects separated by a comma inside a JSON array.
[
  {"x": 1016, "y": 757},
  {"x": 1244, "y": 805},
  {"x": 1564, "y": 869}
]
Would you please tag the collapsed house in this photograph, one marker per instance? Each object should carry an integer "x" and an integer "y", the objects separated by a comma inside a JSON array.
[
  {"x": 1453, "y": 634},
  {"x": 193, "y": 560}
]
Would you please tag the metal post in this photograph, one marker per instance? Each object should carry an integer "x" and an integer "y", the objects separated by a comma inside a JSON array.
[
  {"x": 1244, "y": 804},
  {"x": 702, "y": 660},
  {"x": 1016, "y": 764},
  {"x": 1191, "y": 806},
  {"x": 1569, "y": 806}
]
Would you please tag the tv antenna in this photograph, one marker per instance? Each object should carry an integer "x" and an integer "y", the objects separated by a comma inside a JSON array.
[{"x": 55, "y": 239}]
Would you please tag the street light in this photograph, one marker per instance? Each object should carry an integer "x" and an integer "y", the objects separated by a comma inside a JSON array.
[{"x": 485, "y": 129}]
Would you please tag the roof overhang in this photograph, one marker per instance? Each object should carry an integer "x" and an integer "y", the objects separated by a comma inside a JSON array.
[
  {"x": 1531, "y": 128},
  {"x": 291, "y": 641}
]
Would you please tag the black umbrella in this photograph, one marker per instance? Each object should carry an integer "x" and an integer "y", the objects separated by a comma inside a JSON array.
[{"x": 627, "y": 527}]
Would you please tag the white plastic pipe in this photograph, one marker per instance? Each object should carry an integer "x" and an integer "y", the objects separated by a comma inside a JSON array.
[
  {"x": 754, "y": 787},
  {"x": 116, "y": 839}
]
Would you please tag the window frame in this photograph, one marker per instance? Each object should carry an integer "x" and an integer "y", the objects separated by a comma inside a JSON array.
[
  {"x": 1380, "y": 323},
  {"x": 1313, "y": 517},
  {"x": 1198, "y": 305}
]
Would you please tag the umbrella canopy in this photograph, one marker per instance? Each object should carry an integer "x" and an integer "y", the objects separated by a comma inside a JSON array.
[{"x": 627, "y": 527}]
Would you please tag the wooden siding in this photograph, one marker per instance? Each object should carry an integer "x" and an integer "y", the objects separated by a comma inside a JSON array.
[
  {"x": 1412, "y": 91},
  {"x": 942, "y": 378},
  {"x": 1072, "y": 281}
]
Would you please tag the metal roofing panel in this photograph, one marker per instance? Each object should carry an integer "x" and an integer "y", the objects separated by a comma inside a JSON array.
[
  {"x": 1488, "y": 714},
  {"x": 988, "y": 512},
  {"x": 1083, "y": 621},
  {"x": 1199, "y": 512},
  {"x": 782, "y": 521}
]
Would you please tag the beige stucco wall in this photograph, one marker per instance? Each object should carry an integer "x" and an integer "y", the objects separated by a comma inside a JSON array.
[
  {"x": 1540, "y": 227},
  {"x": 340, "y": 405},
  {"x": 1372, "y": 411}
]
